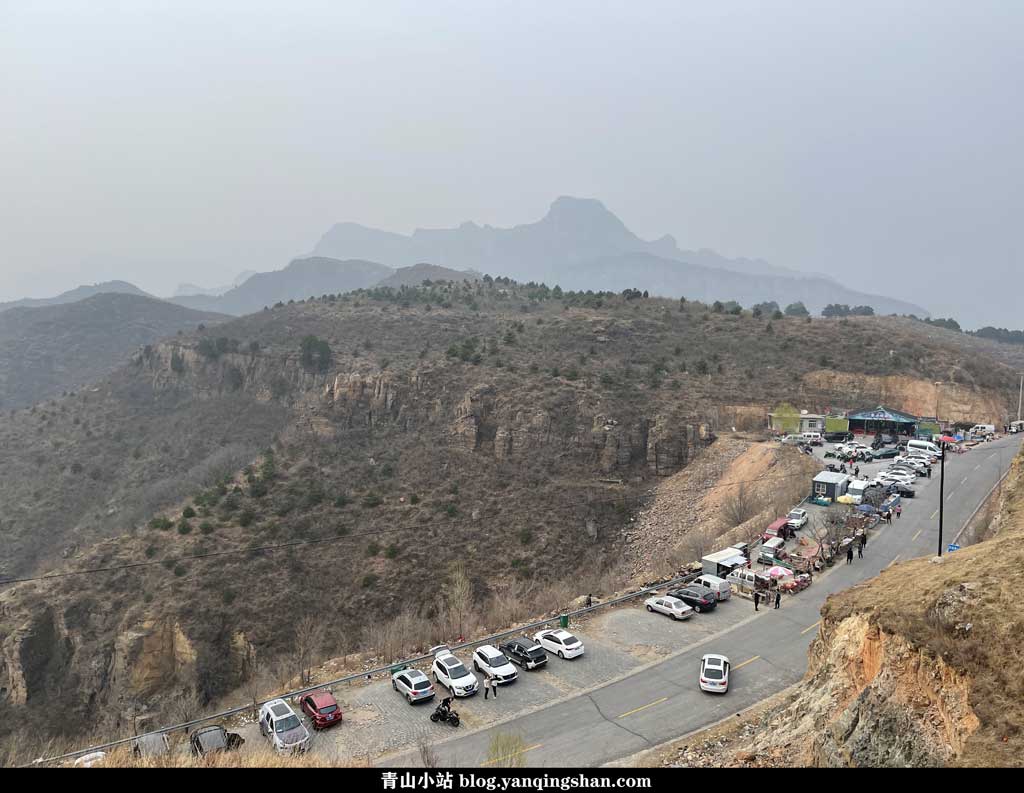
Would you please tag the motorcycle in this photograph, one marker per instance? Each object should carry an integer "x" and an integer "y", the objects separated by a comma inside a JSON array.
[{"x": 445, "y": 713}]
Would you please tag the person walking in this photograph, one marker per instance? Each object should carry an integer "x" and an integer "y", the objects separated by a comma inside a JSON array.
[
  {"x": 860, "y": 550},
  {"x": 494, "y": 687},
  {"x": 864, "y": 539},
  {"x": 856, "y": 472},
  {"x": 849, "y": 553},
  {"x": 757, "y": 599},
  {"x": 487, "y": 686},
  {"x": 778, "y": 597},
  {"x": 590, "y": 601},
  {"x": 899, "y": 511}
]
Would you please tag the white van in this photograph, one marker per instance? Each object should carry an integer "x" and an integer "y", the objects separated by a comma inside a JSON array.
[
  {"x": 923, "y": 446},
  {"x": 983, "y": 429},
  {"x": 814, "y": 438},
  {"x": 717, "y": 585}
]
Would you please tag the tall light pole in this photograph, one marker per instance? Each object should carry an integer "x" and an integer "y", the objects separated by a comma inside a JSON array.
[
  {"x": 942, "y": 488},
  {"x": 1020, "y": 396}
]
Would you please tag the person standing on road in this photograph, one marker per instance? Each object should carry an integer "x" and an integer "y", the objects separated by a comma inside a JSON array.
[
  {"x": 849, "y": 553},
  {"x": 898, "y": 509},
  {"x": 757, "y": 599},
  {"x": 778, "y": 597},
  {"x": 860, "y": 550},
  {"x": 487, "y": 686},
  {"x": 864, "y": 540},
  {"x": 494, "y": 687},
  {"x": 856, "y": 472}
]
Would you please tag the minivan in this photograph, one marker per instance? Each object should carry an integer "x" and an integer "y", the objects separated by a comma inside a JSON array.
[
  {"x": 813, "y": 438},
  {"x": 717, "y": 585},
  {"x": 923, "y": 446}
]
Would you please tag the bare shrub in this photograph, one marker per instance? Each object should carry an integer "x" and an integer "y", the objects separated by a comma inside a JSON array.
[
  {"x": 739, "y": 506},
  {"x": 506, "y": 750}
]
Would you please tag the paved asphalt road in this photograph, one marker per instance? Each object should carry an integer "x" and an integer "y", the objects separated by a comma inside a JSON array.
[{"x": 768, "y": 650}]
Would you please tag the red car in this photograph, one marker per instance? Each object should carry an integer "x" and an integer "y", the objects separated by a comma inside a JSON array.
[{"x": 322, "y": 709}]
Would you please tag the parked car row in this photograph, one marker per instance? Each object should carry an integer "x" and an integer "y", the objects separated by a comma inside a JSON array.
[{"x": 497, "y": 663}]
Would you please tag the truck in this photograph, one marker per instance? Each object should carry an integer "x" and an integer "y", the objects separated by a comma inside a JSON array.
[
  {"x": 856, "y": 489},
  {"x": 1016, "y": 426},
  {"x": 721, "y": 563}
]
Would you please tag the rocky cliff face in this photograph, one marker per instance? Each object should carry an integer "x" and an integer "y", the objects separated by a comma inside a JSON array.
[{"x": 952, "y": 401}]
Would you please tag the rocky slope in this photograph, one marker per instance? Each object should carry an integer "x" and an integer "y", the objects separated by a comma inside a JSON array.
[
  {"x": 509, "y": 428},
  {"x": 56, "y": 348}
]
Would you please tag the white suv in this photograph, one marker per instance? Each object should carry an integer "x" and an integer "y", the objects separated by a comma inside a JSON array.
[
  {"x": 490, "y": 661},
  {"x": 284, "y": 729},
  {"x": 450, "y": 673}
]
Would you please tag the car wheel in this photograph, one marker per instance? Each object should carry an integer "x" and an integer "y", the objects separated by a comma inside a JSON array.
[
  {"x": 697, "y": 609},
  {"x": 649, "y": 608},
  {"x": 561, "y": 654},
  {"x": 674, "y": 617},
  {"x": 409, "y": 698},
  {"x": 394, "y": 685}
]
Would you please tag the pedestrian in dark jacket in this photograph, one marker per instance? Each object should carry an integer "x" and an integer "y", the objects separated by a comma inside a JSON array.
[
  {"x": 778, "y": 598},
  {"x": 860, "y": 550},
  {"x": 849, "y": 553},
  {"x": 757, "y": 599}
]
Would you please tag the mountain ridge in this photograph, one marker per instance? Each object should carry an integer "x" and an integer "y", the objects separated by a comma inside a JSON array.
[{"x": 575, "y": 231}]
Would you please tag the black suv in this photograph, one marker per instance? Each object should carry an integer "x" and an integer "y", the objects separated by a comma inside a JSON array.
[
  {"x": 838, "y": 437},
  {"x": 524, "y": 652},
  {"x": 699, "y": 597}
]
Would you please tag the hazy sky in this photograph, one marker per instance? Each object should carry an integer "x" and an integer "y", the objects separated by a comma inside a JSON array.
[{"x": 160, "y": 142}]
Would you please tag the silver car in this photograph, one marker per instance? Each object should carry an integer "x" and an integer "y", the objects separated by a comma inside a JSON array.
[
  {"x": 673, "y": 607},
  {"x": 413, "y": 685}
]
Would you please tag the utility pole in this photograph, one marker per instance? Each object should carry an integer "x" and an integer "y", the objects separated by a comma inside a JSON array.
[
  {"x": 1020, "y": 396},
  {"x": 942, "y": 489}
]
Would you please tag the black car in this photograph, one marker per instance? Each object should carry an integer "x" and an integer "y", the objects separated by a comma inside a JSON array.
[
  {"x": 213, "y": 739},
  {"x": 903, "y": 491},
  {"x": 838, "y": 437},
  {"x": 700, "y": 598},
  {"x": 524, "y": 652}
]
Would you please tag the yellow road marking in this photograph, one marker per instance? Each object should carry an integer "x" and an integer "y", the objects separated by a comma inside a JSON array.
[
  {"x": 936, "y": 512},
  {"x": 514, "y": 754},
  {"x": 916, "y": 535},
  {"x": 643, "y": 707},
  {"x": 751, "y": 660},
  {"x": 812, "y": 627}
]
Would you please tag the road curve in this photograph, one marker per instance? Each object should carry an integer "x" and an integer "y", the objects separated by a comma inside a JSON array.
[{"x": 768, "y": 650}]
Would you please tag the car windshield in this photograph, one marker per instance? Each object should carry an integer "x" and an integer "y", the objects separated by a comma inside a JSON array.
[
  {"x": 456, "y": 670},
  {"x": 287, "y": 723},
  {"x": 421, "y": 685},
  {"x": 327, "y": 710},
  {"x": 713, "y": 674},
  {"x": 498, "y": 660},
  {"x": 795, "y": 514}
]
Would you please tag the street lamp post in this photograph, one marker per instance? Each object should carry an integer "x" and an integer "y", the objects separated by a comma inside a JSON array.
[{"x": 942, "y": 488}]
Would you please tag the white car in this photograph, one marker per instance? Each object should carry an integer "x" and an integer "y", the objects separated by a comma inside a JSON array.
[
  {"x": 282, "y": 727},
  {"x": 450, "y": 673},
  {"x": 561, "y": 643},
  {"x": 673, "y": 607},
  {"x": 905, "y": 477},
  {"x": 796, "y": 518},
  {"x": 916, "y": 462},
  {"x": 491, "y": 661},
  {"x": 714, "y": 673}
]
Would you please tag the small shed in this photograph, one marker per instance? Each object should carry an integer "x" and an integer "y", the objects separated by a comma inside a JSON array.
[
  {"x": 830, "y": 485},
  {"x": 722, "y": 563}
]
